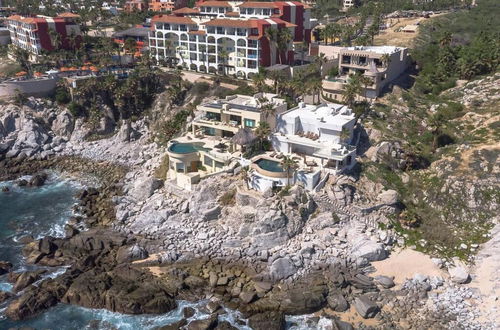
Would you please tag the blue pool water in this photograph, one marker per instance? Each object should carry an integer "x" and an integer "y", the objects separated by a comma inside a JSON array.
[
  {"x": 185, "y": 148},
  {"x": 269, "y": 165}
]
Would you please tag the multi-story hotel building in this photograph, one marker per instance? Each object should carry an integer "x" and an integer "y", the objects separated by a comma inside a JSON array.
[
  {"x": 36, "y": 33},
  {"x": 166, "y": 5},
  {"x": 229, "y": 36}
]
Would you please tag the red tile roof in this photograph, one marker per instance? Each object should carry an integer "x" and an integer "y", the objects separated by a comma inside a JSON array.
[
  {"x": 173, "y": 19},
  {"x": 186, "y": 10},
  {"x": 232, "y": 14},
  {"x": 236, "y": 23},
  {"x": 258, "y": 4},
  {"x": 68, "y": 15},
  {"x": 280, "y": 21},
  {"x": 212, "y": 3}
]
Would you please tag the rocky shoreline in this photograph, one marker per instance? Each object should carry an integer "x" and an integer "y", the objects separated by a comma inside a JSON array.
[{"x": 141, "y": 244}]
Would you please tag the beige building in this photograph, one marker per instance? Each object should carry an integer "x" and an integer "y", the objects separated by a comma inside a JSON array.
[
  {"x": 225, "y": 117},
  {"x": 210, "y": 149},
  {"x": 381, "y": 64}
]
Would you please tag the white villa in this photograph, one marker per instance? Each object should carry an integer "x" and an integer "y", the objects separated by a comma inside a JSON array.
[{"x": 317, "y": 137}]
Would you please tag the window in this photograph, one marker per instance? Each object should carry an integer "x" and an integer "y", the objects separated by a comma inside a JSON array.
[
  {"x": 209, "y": 131},
  {"x": 208, "y": 161},
  {"x": 249, "y": 123},
  {"x": 213, "y": 116},
  {"x": 346, "y": 59}
]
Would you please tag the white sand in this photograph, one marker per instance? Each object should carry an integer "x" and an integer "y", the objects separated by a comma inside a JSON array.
[{"x": 404, "y": 264}]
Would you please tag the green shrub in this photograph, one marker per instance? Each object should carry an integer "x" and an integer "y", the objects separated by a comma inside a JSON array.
[{"x": 228, "y": 198}]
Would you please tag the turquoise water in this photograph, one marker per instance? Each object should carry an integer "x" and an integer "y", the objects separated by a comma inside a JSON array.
[
  {"x": 44, "y": 211},
  {"x": 185, "y": 148},
  {"x": 269, "y": 165}
]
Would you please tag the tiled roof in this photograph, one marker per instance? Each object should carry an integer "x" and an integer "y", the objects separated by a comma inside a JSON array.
[
  {"x": 258, "y": 4},
  {"x": 212, "y": 3},
  {"x": 186, "y": 10},
  {"x": 236, "y": 23},
  {"x": 173, "y": 19},
  {"x": 280, "y": 21},
  {"x": 232, "y": 14},
  {"x": 68, "y": 15}
]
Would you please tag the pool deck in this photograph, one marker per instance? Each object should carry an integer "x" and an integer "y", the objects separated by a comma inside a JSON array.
[{"x": 211, "y": 142}]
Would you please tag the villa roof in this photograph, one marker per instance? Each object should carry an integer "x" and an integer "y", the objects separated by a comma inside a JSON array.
[
  {"x": 212, "y": 3},
  {"x": 280, "y": 21},
  {"x": 258, "y": 4},
  {"x": 68, "y": 15},
  {"x": 237, "y": 23},
  {"x": 244, "y": 136},
  {"x": 173, "y": 19},
  {"x": 186, "y": 10},
  {"x": 232, "y": 14}
]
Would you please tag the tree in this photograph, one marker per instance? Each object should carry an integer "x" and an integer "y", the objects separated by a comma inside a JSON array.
[
  {"x": 436, "y": 122},
  {"x": 351, "y": 90},
  {"x": 319, "y": 61},
  {"x": 386, "y": 59},
  {"x": 283, "y": 41},
  {"x": 365, "y": 82},
  {"x": 259, "y": 79},
  {"x": 315, "y": 87},
  {"x": 267, "y": 108},
  {"x": 262, "y": 132},
  {"x": 22, "y": 57},
  {"x": 277, "y": 77},
  {"x": 445, "y": 39},
  {"x": 345, "y": 134},
  {"x": 223, "y": 57},
  {"x": 130, "y": 46},
  {"x": 289, "y": 165},
  {"x": 271, "y": 35}
]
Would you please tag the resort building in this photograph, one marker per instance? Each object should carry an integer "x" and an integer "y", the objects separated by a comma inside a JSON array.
[
  {"x": 218, "y": 135},
  {"x": 139, "y": 34},
  {"x": 135, "y": 5},
  {"x": 230, "y": 37},
  {"x": 380, "y": 64},
  {"x": 37, "y": 33},
  {"x": 311, "y": 142},
  {"x": 166, "y": 5}
]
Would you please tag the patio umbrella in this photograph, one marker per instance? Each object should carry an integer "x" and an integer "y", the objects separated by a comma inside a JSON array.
[{"x": 243, "y": 137}]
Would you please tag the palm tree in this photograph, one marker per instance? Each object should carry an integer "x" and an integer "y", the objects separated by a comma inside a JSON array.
[
  {"x": 289, "y": 165},
  {"x": 271, "y": 35},
  {"x": 351, "y": 90},
  {"x": 315, "y": 86},
  {"x": 268, "y": 109},
  {"x": 345, "y": 134},
  {"x": 277, "y": 77},
  {"x": 22, "y": 57},
  {"x": 386, "y": 59},
  {"x": 365, "y": 81},
  {"x": 223, "y": 56},
  {"x": 262, "y": 132},
  {"x": 259, "y": 79},
  {"x": 320, "y": 60},
  {"x": 284, "y": 38},
  {"x": 436, "y": 122}
]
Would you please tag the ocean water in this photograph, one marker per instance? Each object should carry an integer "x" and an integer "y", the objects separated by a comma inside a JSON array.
[{"x": 44, "y": 211}]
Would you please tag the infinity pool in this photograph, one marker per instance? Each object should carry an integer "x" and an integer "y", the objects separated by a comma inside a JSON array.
[
  {"x": 185, "y": 148},
  {"x": 269, "y": 165}
]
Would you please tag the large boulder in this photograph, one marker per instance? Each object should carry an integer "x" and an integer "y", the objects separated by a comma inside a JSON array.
[
  {"x": 459, "y": 274},
  {"x": 337, "y": 302},
  {"x": 268, "y": 321},
  {"x": 385, "y": 281},
  {"x": 4, "y": 296},
  {"x": 145, "y": 187},
  {"x": 365, "y": 307},
  {"x": 282, "y": 268},
  {"x": 389, "y": 197},
  {"x": 131, "y": 253},
  {"x": 368, "y": 249},
  {"x": 64, "y": 124},
  {"x": 124, "y": 289}
]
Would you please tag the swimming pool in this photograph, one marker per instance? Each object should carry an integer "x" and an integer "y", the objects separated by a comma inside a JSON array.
[
  {"x": 185, "y": 148},
  {"x": 269, "y": 165}
]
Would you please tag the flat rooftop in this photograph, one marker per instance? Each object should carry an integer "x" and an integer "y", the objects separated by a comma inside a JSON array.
[
  {"x": 326, "y": 115},
  {"x": 376, "y": 49},
  {"x": 245, "y": 102}
]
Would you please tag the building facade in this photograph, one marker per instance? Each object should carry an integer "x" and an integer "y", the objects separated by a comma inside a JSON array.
[
  {"x": 166, "y": 5},
  {"x": 227, "y": 116},
  {"x": 135, "y": 5},
  {"x": 38, "y": 33},
  {"x": 322, "y": 132},
  {"x": 380, "y": 64},
  {"x": 230, "y": 37}
]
